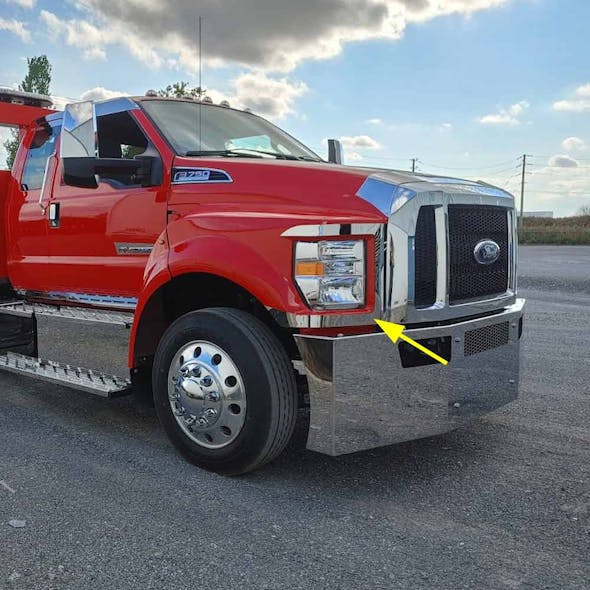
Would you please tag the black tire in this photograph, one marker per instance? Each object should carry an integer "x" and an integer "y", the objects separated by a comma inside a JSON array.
[{"x": 269, "y": 385}]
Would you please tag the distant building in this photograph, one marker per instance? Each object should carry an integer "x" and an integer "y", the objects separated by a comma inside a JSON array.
[{"x": 547, "y": 214}]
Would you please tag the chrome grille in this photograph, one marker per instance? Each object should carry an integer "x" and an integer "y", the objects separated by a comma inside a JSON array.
[
  {"x": 486, "y": 338},
  {"x": 468, "y": 225}
]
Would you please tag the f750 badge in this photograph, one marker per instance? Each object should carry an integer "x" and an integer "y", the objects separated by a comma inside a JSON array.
[
  {"x": 192, "y": 176},
  {"x": 199, "y": 176}
]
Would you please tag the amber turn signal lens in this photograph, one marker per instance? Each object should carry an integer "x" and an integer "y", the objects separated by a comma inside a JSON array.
[{"x": 309, "y": 269}]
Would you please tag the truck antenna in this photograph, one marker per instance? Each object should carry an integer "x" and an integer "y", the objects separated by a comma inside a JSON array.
[{"x": 200, "y": 88}]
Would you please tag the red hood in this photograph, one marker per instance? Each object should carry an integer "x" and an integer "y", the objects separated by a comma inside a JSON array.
[{"x": 279, "y": 187}]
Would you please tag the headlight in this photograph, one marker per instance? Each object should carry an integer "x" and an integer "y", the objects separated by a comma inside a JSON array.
[{"x": 331, "y": 274}]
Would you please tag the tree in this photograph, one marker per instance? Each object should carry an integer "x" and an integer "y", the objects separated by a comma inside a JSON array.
[
  {"x": 180, "y": 89},
  {"x": 585, "y": 210},
  {"x": 37, "y": 80}
]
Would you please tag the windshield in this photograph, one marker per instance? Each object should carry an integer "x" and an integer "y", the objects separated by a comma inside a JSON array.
[{"x": 193, "y": 128}]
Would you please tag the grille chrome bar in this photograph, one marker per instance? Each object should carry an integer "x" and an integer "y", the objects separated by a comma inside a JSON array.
[{"x": 425, "y": 258}]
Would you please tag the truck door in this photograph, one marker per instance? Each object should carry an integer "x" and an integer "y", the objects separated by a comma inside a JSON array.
[
  {"x": 100, "y": 238},
  {"x": 26, "y": 225}
]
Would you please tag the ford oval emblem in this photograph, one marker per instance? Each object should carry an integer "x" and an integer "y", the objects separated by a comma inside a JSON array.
[{"x": 486, "y": 252}]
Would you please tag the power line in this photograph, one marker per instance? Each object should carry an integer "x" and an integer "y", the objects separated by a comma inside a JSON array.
[
  {"x": 502, "y": 171},
  {"x": 384, "y": 159},
  {"x": 497, "y": 165}
]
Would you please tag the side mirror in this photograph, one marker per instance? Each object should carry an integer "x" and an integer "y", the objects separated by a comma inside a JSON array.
[
  {"x": 83, "y": 172},
  {"x": 334, "y": 151}
]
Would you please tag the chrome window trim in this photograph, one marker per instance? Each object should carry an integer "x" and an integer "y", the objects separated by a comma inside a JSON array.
[{"x": 114, "y": 105}]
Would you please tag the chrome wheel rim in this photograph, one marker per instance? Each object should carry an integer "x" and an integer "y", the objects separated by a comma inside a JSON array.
[{"x": 207, "y": 394}]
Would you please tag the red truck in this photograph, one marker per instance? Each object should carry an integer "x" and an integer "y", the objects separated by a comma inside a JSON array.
[{"x": 249, "y": 273}]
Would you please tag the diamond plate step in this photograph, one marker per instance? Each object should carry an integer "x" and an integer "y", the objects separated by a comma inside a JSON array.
[
  {"x": 66, "y": 375},
  {"x": 81, "y": 314}
]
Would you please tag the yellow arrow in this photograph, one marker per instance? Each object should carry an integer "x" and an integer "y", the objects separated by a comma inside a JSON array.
[{"x": 396, "y": 331}]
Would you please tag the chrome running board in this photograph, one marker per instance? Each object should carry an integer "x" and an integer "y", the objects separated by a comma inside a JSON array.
[
  {"x": 80, "y": 314},
  {"x": 66, "y": 375}
]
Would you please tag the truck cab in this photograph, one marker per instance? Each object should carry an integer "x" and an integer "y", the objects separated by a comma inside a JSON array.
[{"x": 249, "y": 274}]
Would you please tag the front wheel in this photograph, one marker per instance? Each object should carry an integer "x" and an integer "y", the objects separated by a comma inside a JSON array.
[{"x": 224, "y": 390}]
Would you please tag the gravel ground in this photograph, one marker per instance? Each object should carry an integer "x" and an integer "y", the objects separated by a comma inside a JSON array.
[{"x": 107, "y": 503}]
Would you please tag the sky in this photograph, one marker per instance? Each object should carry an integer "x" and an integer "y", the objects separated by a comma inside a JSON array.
[{"x": 465, "y": 86}]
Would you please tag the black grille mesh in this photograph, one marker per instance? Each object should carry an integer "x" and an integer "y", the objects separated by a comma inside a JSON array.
[
  {"x": 425, "y": 258},
  {"x": 486, "y": 338},
  {"x": 468, "y": 225}
]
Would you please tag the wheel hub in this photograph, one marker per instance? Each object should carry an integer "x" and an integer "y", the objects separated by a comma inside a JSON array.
[
  {"x": 198, "y": 395},
  {"x": 207, "y": 394}
]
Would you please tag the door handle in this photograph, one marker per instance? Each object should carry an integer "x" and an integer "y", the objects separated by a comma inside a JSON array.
[{"x": 54, "y": 215}]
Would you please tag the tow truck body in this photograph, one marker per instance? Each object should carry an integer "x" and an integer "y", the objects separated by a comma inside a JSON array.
[{"x": 142, "y": 212}]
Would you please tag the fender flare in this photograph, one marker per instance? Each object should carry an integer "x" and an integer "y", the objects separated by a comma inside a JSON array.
[{"x": 223, "y": 257}]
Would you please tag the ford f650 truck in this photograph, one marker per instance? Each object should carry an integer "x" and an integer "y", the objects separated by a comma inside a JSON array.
[{"x": 249, "y": 273}]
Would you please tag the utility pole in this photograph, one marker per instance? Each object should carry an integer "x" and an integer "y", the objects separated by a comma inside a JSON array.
[
  {"x": 414, "y": 160},
  {"x": 522, "y": 182}
]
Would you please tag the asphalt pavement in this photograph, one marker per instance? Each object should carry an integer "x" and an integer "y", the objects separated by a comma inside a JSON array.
[{"x": 106, "y": 502}]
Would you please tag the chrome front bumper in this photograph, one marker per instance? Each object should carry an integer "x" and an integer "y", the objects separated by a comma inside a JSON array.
[{"x": 361, "y": 397}]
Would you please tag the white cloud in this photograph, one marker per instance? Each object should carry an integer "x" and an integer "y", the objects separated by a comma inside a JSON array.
[
  {"x": 580, "y": 103},
  {"x": 446, "y": 127},
  {"x": 93, "y": 39},
  {"x": 583, "y": 90},
  {"x": 562, "y": 188},
  {"x": 270, "y": 97},
  {"x": 100, "y": 93},
  {"x": 359, "y": 142},
  {"x": 375, "y": 121},
  {"x": 268, "y": 34},
  {"x": 17, "y": 27},
  {"x": 353, "y": 157},
  {"x": 23, "y": 3},
  {"x": 60, "y": 102},
  {"x": 573, "y": 144},
  {"x": 563, "y": 161},
  {"x": 572, "y": 106},
  {"x": 510, "y": 116},
  {"x": 95, "y": 53}
]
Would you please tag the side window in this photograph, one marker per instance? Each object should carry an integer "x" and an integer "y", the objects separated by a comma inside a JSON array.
[
  {"x": 120, "y": 137},
  {"x": 41, "y": 147}
]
